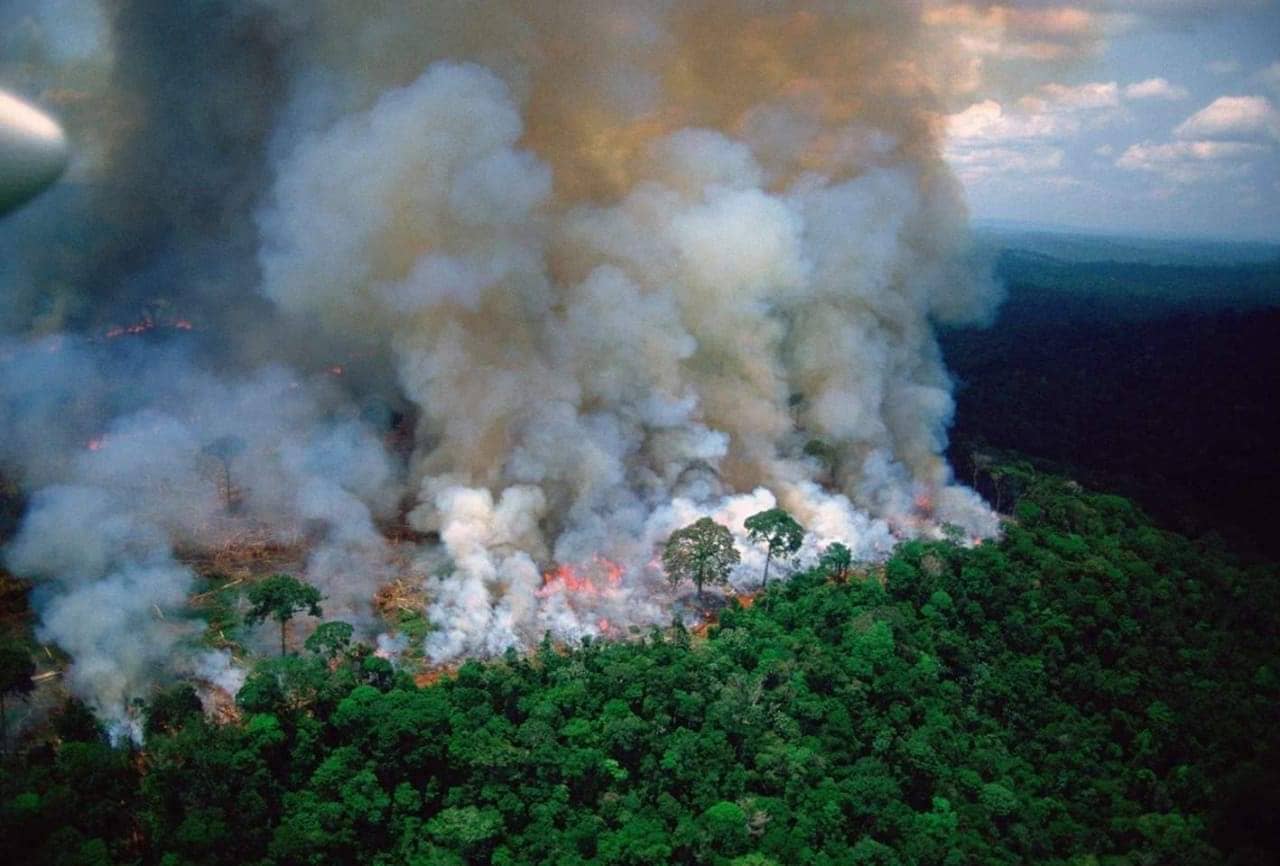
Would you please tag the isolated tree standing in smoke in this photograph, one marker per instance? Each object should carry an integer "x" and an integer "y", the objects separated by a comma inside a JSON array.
[
  {"x": 279, "y": 597},
  {"x": 779, "y": 531},
  {"x": 224, "y": 449},
  {"x": 702, "y": 552}
]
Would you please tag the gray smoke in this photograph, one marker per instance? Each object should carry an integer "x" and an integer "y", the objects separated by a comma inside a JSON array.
[
  {"x": 621, "y": 262},
  {"x": 140, "y": 457}
]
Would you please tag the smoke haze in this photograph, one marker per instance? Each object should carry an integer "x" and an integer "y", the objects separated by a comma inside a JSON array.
[{"x": 618, "y": 263}]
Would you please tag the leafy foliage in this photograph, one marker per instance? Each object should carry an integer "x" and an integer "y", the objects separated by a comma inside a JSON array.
[
  {"x": 779, "y": 532},
  {"x": 330, "y": 639},
  {"x": 702, "y": 552},
  {"x": 279, "y": 597},
  {"x": 837, "y": 561},
  {"x": 1089, "y": 690}
]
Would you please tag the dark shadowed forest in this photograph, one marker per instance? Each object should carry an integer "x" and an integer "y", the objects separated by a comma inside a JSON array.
[{"x": 1154, "y": 381}]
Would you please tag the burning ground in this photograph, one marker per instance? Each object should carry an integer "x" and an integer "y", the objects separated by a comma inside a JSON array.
[{"x": 541, "y": 284}]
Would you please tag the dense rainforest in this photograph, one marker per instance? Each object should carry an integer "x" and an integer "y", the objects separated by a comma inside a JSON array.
[
  {"x": 1100, "y": 687},
  {"x": 1089, "y": 690},
  {"x": 1156, "y": 381}
]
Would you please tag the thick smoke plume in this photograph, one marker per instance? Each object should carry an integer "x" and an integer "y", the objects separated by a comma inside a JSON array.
[{"x": 622, "y": 264}]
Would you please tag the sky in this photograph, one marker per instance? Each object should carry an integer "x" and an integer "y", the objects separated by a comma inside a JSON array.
[
  {"x": 1146, "y": 117},
  {"x": 1155, "y": 117}
]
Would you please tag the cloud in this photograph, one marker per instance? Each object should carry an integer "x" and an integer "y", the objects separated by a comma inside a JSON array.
[
  {"x": 1018, "y": 32},
  {"x": 1079, "y": 97},
  {"x": 1053, "y": 111},
  {"x": 1233, "y": 118},
  {"x": 987, "y": 121},
  {"x": 1219, "y": 142},
  {"x": 988, "y": 139},
  {"x": 1186, "y": 162},
  {"x": 1155, "y": 88}
]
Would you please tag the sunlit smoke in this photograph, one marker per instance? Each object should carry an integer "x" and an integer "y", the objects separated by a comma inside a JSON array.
[{"x": 622, "y": 265}]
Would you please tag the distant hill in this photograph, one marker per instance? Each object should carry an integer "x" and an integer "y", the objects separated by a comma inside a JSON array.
[
  {"x": 1110, "y": 290},
  {"x": 1071, "y": 246},
  {"x": 1154, "y": 380}
]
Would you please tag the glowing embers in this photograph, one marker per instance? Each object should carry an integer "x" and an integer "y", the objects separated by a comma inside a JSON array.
[
  {"x": 923, "y": 503},
  {"x": 602, "y": 576},
  {"x": 146, "y": 325}
]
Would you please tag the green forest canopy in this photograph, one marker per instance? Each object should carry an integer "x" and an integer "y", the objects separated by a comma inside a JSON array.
[{"x": 1089, "y": 690}]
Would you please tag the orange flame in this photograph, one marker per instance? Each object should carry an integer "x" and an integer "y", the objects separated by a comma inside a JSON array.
[
  {"x": 141, "y": 327},
  {"x": 145, "y": 324},
  {"x": 603, "y": 575}
]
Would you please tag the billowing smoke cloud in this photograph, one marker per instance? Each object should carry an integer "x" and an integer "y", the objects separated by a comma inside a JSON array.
[
  {"x": 625, "y": 264},
  {"x": 148, "y": 462}
]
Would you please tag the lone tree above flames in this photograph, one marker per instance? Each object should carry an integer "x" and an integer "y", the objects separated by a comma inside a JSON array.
[
  {"x": 702, "y": 552},
  {"x": 279, "y": 597},
  {"x": 779, "y": 531}
]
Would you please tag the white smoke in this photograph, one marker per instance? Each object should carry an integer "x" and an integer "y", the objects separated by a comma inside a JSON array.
[
  {"x": 218, "y": 669},
  {"x": 606, "y": 343},
  {"x": 103, "y": 540},
  {"x": 112, "y": 580},
  {"x": 624, "y": 261}
]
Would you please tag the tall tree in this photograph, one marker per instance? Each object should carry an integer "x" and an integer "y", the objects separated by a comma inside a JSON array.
[
  {"x": 779, "y": 531},
  {"x": 279, "y": 597},
  {"x": 16, "y": 670},
  {"x": 224, "y": 449},
  {"x": 836, "y": 561},
  {"x": 702, "y": 552}
]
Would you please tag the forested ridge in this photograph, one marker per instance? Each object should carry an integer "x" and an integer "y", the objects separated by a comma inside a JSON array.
[
  {"x": 1154, "y": 382},
  {"x": 1090, "y": 689}
]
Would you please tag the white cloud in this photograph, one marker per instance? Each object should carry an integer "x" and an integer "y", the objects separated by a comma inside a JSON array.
[
  {"x": 989, "y": 139},
  {"x": 1190, "y": 161},
  {"x": 1233, "y": 117},
  {"x": 1019, "y": 33},
  {"x": 1080, "y": 97},
  {"x": 1155, "y": 88},
  {"x": 1052, "y": 111},
  {"x": 987, "y": 121}
]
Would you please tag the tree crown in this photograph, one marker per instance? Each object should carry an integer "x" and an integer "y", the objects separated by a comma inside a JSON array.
[
  {"x": 776, "y": 528},
  {"x": 330, "y": 638},
  {"x": 702, "y": 552},
  {"x": 280, "y": 596}
]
